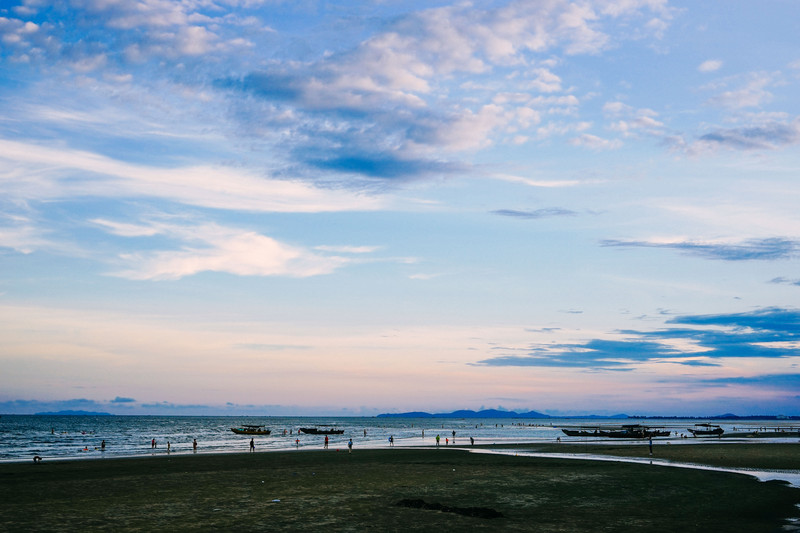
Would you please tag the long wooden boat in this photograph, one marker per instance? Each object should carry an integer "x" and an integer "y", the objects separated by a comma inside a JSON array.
[
  {"x": 318, "y": 431},
  {"x": 706, "y": 430},
  {"x": 631, "y": 431},
  {"x": 251, "y": 430},
  {"x": 580, "y": 433}
]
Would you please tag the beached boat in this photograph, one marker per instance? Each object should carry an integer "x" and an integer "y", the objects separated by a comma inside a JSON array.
[
  {"x": 319, "y": 431},
  {"x": 251, "y": 430},
  {"x": 706, "y": 430},
  {"x": 631, "y": 431},
  {"x": 580, "y": 433}
]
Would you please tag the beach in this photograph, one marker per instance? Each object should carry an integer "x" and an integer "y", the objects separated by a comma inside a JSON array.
[{"x": 401, "y": 489}]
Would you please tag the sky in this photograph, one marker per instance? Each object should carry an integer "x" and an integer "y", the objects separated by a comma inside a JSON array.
[{"x": 355, "y": 207}]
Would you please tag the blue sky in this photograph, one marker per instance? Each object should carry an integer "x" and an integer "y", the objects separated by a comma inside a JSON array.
[{"x": 266, "y": 207}]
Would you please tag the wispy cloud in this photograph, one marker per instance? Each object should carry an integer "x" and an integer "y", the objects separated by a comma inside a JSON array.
[
  {"x": 767, "y": 249},
  {"x": 548, "y": 184},
  {"x": 40, "y": 172},
  {"x": 767, "y": 333},
  {"x": 743, "y": 91},
  {"x": 120, "y": 399},
  {"x": 214, "y": 248},
  {"x": 768, "y": 135},
  {"x": 771, "y": 381},
  {"x": 597, "y": 143},
  {"x": 535, "y": 213},
  {"x": 785, "y": 281}
]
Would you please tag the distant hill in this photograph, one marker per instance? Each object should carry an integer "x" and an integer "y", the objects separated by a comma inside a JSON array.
[
  {"x": 726, "y": 416},
  {"x": 489, "y": 413},
  {"x": 467, "y": 413},
  {"x": 73, "y": 413}
]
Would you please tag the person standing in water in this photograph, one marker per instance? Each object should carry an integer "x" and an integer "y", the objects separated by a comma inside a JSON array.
[
  {"x": 350, "y": 446},
  {"x": 252, "y": 445}
]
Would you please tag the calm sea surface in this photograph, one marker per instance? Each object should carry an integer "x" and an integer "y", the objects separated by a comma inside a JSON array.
[{"x": 23, "y": 436}]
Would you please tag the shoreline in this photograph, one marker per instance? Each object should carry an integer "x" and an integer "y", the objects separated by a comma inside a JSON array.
[
  {"x": 594, "y": 451},
  {"x": 593, "y": 445}
]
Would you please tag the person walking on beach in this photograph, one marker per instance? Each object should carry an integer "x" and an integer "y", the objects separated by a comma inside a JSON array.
[
  {"x": 326, "y": 442},
  {"x": 350, "y": 446},
  {"x": 252, "y": 445},
  {"x": 471, "y": 441},
  {"x": 169, "y": 447},
  {"x": 391, "y": 440},
  {"x": 437, "y": 441}
]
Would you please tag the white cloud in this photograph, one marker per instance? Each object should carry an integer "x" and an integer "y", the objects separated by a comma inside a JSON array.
[
  {"x": 348, "y": 249},
  {"x": 536, "y": 183},
  {"x": 214, "y": 248},
  {"x": 710, "y": 66},
  {"x": 23, "y": 238},
  {"x": 126, "y": 230},
  {"x": 750, "y": 92},
  {"x": 616, "y": 108},
  {"x": 632, "y": 121},
  {"x": 595, "y": 142}
]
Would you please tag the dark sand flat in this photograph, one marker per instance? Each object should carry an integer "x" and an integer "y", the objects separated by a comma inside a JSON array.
[{"x": 392, "y": 490}]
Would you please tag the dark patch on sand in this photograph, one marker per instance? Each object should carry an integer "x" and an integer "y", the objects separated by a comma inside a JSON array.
[{"x": 476, "y": 512}]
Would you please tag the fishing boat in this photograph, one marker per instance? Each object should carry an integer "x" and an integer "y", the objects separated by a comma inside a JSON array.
[
  {"x": 319, "y": 431},
  {"x": 580, "y": 433},
  {"x": 251, "y": 430},
  {"x": 706, "y": 430},
  {"x": 631, "y": 431}
]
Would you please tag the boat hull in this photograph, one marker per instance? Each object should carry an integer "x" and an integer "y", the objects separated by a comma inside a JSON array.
[
  {"x": 242, "y": 431},
  {"x": 317, "y": 431}
]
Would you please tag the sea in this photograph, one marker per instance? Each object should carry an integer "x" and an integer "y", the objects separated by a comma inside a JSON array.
[{"x": 81, "y": 436}]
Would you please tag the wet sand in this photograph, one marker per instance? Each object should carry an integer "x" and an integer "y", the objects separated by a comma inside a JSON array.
[{"x": 391, "y": 489}]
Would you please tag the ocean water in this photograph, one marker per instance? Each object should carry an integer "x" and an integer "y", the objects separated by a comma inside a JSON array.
[{"x": 24, "y": 436}]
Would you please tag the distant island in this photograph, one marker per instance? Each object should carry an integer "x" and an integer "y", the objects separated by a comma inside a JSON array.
[
  {"x": 73, "y": 413},
  {"x": 496, "y": 413},
  {"x": 485, "y": 413}
]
